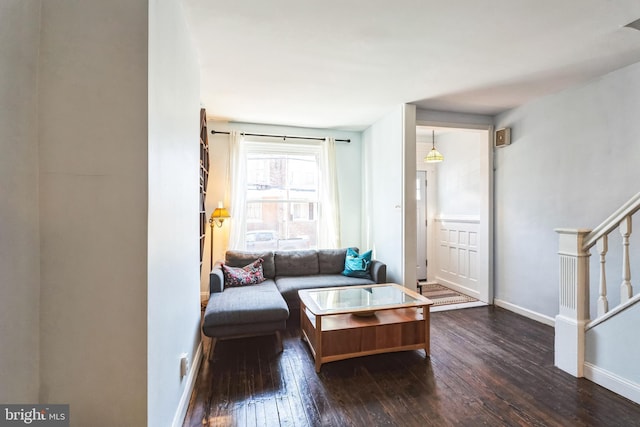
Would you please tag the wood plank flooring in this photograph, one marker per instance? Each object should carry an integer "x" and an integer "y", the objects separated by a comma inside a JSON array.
[{"x": 488, "y": 366}]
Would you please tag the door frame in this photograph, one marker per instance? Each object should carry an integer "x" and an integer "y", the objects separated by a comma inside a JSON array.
[
  {"x": 486, "y": 266},
  {"x": 421, "y": 225}
]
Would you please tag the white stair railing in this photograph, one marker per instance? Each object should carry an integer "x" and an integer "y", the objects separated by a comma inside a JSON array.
[{"x": 574, "y": 251}]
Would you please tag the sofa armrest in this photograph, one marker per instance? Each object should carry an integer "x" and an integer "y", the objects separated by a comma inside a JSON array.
[
  {"x": 216, "y": 279},
  {"x": 378, "y": 271}
]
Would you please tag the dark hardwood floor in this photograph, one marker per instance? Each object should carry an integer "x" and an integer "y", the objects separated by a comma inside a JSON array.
[{"x": 488, "y": 366}]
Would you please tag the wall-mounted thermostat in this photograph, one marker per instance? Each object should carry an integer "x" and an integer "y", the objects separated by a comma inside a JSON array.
[{"x": 503, "y": 137}]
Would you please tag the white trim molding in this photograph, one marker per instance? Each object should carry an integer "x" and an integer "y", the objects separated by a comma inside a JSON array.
[
  {"x": 612, "y": 382},
  {"x": 183, "y": 405},
  {"x": 533, "y": 315},
  {"x": 469, "y": 219},
  {"x": 448, "y": 307}
]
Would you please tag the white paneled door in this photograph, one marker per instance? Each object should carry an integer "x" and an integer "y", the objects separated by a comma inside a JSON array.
[{"x": 458, "y": 254}]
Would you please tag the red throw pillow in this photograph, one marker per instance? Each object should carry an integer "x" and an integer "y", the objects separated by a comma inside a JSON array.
[{"x": 251, "y": 274}]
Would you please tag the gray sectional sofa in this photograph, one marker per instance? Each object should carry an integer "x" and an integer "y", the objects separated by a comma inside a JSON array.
[{"x": 264, "y": 308}]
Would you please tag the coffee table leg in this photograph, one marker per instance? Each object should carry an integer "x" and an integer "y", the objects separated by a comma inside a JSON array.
[
  {"x": 318, "y": 333},
  {"x": 427, "y": 331},
  {"x": 303, "y": 312}
]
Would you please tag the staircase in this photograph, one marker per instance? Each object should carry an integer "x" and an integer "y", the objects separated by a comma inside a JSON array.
[{"x": 604, "y": 347}]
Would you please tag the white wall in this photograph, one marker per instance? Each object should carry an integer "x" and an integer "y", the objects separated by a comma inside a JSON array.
[
  {"x": 348, "y": 159},
  {"x": 610, "y": 345},
  {"x": 459, "y": 175},
  {"x": 19, "y": 228},
  {"x": 573, "y": 160},
  {"x": 93, "y": 209},
  {"x": 173, "y": 248},
  {"x": 389, "y": 214}
]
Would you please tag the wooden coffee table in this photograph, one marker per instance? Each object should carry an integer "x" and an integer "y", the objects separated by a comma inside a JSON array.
[{"x": 352, "y": 321}]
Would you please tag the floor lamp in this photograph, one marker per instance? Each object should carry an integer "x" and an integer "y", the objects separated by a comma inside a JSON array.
[{"x": 217, "y": 217}]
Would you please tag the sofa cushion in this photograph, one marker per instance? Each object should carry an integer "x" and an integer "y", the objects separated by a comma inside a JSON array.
[
  {"x": 250, "y": 274},
  {"x": 289, "y": 286},
  {"x": 242, "y": 258},
  {"x": 331, "y": 261},
  {"x": 296, "y": 263},
  {"x": 260, "y": 303}
]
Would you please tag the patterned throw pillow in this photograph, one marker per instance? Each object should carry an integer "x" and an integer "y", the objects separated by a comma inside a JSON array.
[
  {"x": 356, "y": 265},
  {"x": 251, "y": 274}
]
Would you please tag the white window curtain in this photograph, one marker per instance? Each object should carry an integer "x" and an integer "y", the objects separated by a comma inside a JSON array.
[
  {"x": 238, "y": 184},
  {"x": 329, "y": 213},
  {"x": 329, "y": 209}
]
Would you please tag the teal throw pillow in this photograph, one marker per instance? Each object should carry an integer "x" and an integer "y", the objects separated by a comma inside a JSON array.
[{"x": 356, "y": 265}]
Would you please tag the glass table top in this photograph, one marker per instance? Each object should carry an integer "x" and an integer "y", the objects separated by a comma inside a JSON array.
[{"x": 338, "y": 299}]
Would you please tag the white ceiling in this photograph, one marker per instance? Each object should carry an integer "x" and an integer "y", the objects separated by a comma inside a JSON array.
[{"x": 344, "y": 64}]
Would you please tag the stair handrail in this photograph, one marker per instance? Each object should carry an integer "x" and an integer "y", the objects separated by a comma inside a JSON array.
[
  {"x": 610, "y": 224},
  {"x": 613, "y": 312}
]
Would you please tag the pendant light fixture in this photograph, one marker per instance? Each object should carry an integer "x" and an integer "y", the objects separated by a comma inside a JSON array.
[{"x": 434, "y": 155}]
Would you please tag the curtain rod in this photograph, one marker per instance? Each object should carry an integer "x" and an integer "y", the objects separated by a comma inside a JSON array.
[{"x": 213, "y": 132}]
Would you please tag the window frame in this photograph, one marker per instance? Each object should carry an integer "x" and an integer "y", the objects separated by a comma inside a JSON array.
[{"x": 288, "y": 151}]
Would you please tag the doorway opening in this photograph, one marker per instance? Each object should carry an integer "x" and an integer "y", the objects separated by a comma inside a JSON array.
[{"x": 454, "y": 209}]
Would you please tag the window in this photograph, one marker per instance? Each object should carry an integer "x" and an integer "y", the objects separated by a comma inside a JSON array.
[{"x": 282, "y": 196}]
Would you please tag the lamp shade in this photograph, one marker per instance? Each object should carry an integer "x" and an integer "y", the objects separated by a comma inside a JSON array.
[
  {"x": 220, "y": 213},
  {"x": 434, "y": 155}
]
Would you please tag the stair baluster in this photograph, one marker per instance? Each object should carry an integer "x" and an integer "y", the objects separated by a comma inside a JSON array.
[
  {"x": 626, "y": 291},
  {"x": 603, "y": 303}
]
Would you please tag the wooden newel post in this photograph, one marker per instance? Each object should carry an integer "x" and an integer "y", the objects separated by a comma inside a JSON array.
[{"x": 574, "y": 301}]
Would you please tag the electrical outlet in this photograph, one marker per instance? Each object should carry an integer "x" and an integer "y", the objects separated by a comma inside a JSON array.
[{"x": 184, "y": 365}]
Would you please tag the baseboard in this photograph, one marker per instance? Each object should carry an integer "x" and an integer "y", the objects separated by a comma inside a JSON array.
[
  {"x": 612, "y": 382},
  {"x": 525, "y": 312},
  {"x": 181, "y": 411},
  {"x": 448, "y": 307}
]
